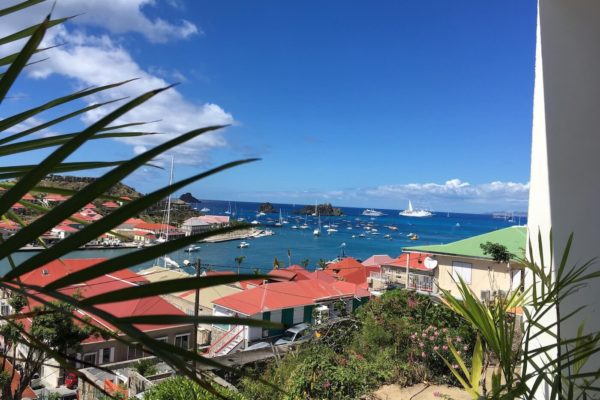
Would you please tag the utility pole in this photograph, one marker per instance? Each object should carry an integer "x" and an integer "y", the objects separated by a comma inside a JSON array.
[{"x": 196, "y": 312}]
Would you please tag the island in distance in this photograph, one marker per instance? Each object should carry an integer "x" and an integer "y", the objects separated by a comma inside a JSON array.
[
  {"x": 189, "y": 198},
  {"x": 326, "y": 210}
]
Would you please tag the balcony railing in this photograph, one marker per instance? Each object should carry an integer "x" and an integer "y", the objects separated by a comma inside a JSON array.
[{"x": 421, "y": 282}]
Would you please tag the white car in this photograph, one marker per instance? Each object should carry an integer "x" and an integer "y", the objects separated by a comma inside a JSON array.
[{"x": 296, "y": 334}]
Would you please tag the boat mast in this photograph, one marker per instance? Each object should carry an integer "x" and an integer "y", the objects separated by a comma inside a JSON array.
[{"x": 169, "y": 208}]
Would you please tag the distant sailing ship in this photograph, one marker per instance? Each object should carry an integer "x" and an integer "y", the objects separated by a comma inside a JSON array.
[{"x": 411, "y": 212}]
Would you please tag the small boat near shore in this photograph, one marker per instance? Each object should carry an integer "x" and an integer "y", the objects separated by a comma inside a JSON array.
[{"x": 192, "y": 249}]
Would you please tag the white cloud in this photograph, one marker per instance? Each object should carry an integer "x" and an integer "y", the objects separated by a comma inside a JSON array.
[
  {"x": 453, "y": 194},
  {"x": 123, "y": 16},
  {"x": 94, "y": 60}
]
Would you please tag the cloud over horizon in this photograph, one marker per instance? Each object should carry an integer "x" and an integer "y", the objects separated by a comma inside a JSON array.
[{"x": 453, "y": 194}]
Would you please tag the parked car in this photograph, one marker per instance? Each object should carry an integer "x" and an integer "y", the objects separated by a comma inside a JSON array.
[
  {"x": 36, "y": 381},
  {"x": 71, "y": 380},
  {"x": 296, "y": 334}
]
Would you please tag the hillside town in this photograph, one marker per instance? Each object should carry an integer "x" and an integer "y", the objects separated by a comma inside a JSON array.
[{"x": 299, "y": 299}]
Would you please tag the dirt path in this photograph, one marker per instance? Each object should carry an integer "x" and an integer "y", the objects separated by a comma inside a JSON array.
[{"x": 420, "y": 392}]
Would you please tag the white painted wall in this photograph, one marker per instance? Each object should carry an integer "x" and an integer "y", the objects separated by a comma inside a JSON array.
[{"x": 565, "y": 164}]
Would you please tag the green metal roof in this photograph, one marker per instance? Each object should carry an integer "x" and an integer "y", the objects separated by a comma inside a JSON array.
[{"x": 514, "y": 238}]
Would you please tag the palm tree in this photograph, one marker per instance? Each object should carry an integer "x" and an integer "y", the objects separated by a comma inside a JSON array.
[
  {"x": 239, "y": 260},
  {"x": 276, "y": 263}
]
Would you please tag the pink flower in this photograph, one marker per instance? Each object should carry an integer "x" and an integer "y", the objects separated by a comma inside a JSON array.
[
  {"x": 458, "y": 339},
  {"x": 465, "y": 347},
  {"x": 431, "y": 337},
  {"x": 421, "y": 344},
  {"x": 458, "y": 352},
  {"x": 423, "y": 354},
  {"x": 445, "y": 330},
  {"x": 436, "y": 333},
  {"x": 424, "y": 334},
  {"x": 445, "y": 347},
  {"x": 436, "y": 348},
  {"x": 455, "y": 366}
]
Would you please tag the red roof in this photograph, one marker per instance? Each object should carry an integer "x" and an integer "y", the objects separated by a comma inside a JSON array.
[
  {"x": 415, "y": 261},
  {"x": 377, "y": 259},
  {"x": 28, "y": 197},
  {"x": 89, "y": 206},
  {"x": 350, "y": 270},
  {"x": 106, "y": 283},
  {"x": 17, "y": 206},
  {"x": 28, "y": 392},
  {"x": 55, "y": 197},
  {"x": 65, "y": 228},
  {"x": 280, "y": 295},
  {"x": 9, "y": 224},
  {"x": 110, "y": 204},
  {"x": 87, "y": 217},
  {"x": 126, "y": 198},
  {"x": 156, "y": 227}
]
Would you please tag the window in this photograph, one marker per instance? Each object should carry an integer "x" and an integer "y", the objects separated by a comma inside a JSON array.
[
  {"x": 105, "y": 357},
  {"x": 485, "y": 296},
  {"x": 5, "y": 309},
  {"x": 463, "y": 270},
  {"x": 183, "y": 341},
  {"x": 89, "y": 359},
  {"x": 134, "y": 351},
  {"x": 162, "y": 339}
]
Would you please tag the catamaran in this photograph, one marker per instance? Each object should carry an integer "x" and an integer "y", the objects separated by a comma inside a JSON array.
[{"x": 411, "y": 212}]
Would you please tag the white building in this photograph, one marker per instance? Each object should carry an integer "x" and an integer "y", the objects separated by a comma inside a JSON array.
[{"x": 565, "y": 184}]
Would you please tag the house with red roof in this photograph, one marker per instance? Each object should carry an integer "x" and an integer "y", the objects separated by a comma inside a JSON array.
[
  {"x": 96, "y": 350},
  {"x": 194, "y": 225},
  {"x": 158, "y": 229},
  {"x": 110, "y": 204},
  {"x": 28, "y": 392},
  {"x": 350, "y": 270},
  {"x": 53, "y": 199},
  {"x": 288, "y": 303},
  {"x": 394, "y": 273}
]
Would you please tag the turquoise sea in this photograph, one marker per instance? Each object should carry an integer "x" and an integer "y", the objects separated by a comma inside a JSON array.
[{"x": 442, "y": 227}]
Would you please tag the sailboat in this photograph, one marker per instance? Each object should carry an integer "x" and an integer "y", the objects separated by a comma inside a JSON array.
[
  {"x": 280, "y": 222},
  {"x": 168, "y": 262},
  {"x": 228, "y": 212},
  {"x": 316, "y": 210},
  {"x": 304, "y": 225},
  {"x": 317, "y": 231},
  {"x": 411, "y": 212}
]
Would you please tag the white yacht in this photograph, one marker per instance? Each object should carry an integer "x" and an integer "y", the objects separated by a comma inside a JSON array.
[
  {"x": 192, "y": 249},
  {"x": 243, "y": 245},
  {"x": 205, "y": 209},
  {"x": 411, "y": 212},
  {"x": 317, "y": 231},
  {"x": 369, "y": 212}
]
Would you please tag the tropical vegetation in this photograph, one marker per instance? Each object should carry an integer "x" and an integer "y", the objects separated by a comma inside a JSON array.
[
  {"x": 400, "y": 337},
  {"x": 531, "y": 357},
  {"x": 19, "y": 180}
]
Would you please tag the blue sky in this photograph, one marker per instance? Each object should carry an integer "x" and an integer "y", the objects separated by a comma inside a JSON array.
[{"x": 359, "y": 103}]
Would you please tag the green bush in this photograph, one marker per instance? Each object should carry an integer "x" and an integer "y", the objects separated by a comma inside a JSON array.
[
  {"x": 397, "y": 338},
  {"x": 181, "y": 388}
]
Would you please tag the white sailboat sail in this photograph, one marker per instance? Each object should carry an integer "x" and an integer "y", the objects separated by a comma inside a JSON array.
[{"x": 411, "y": 212}]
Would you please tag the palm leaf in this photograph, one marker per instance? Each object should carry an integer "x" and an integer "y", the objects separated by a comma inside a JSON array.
[
  {"x": 35, "y": 175},
  {"x": 9, "y": 77},
  {"x": 22, "y": 116},
  {"x": 19, "y": 6}
]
